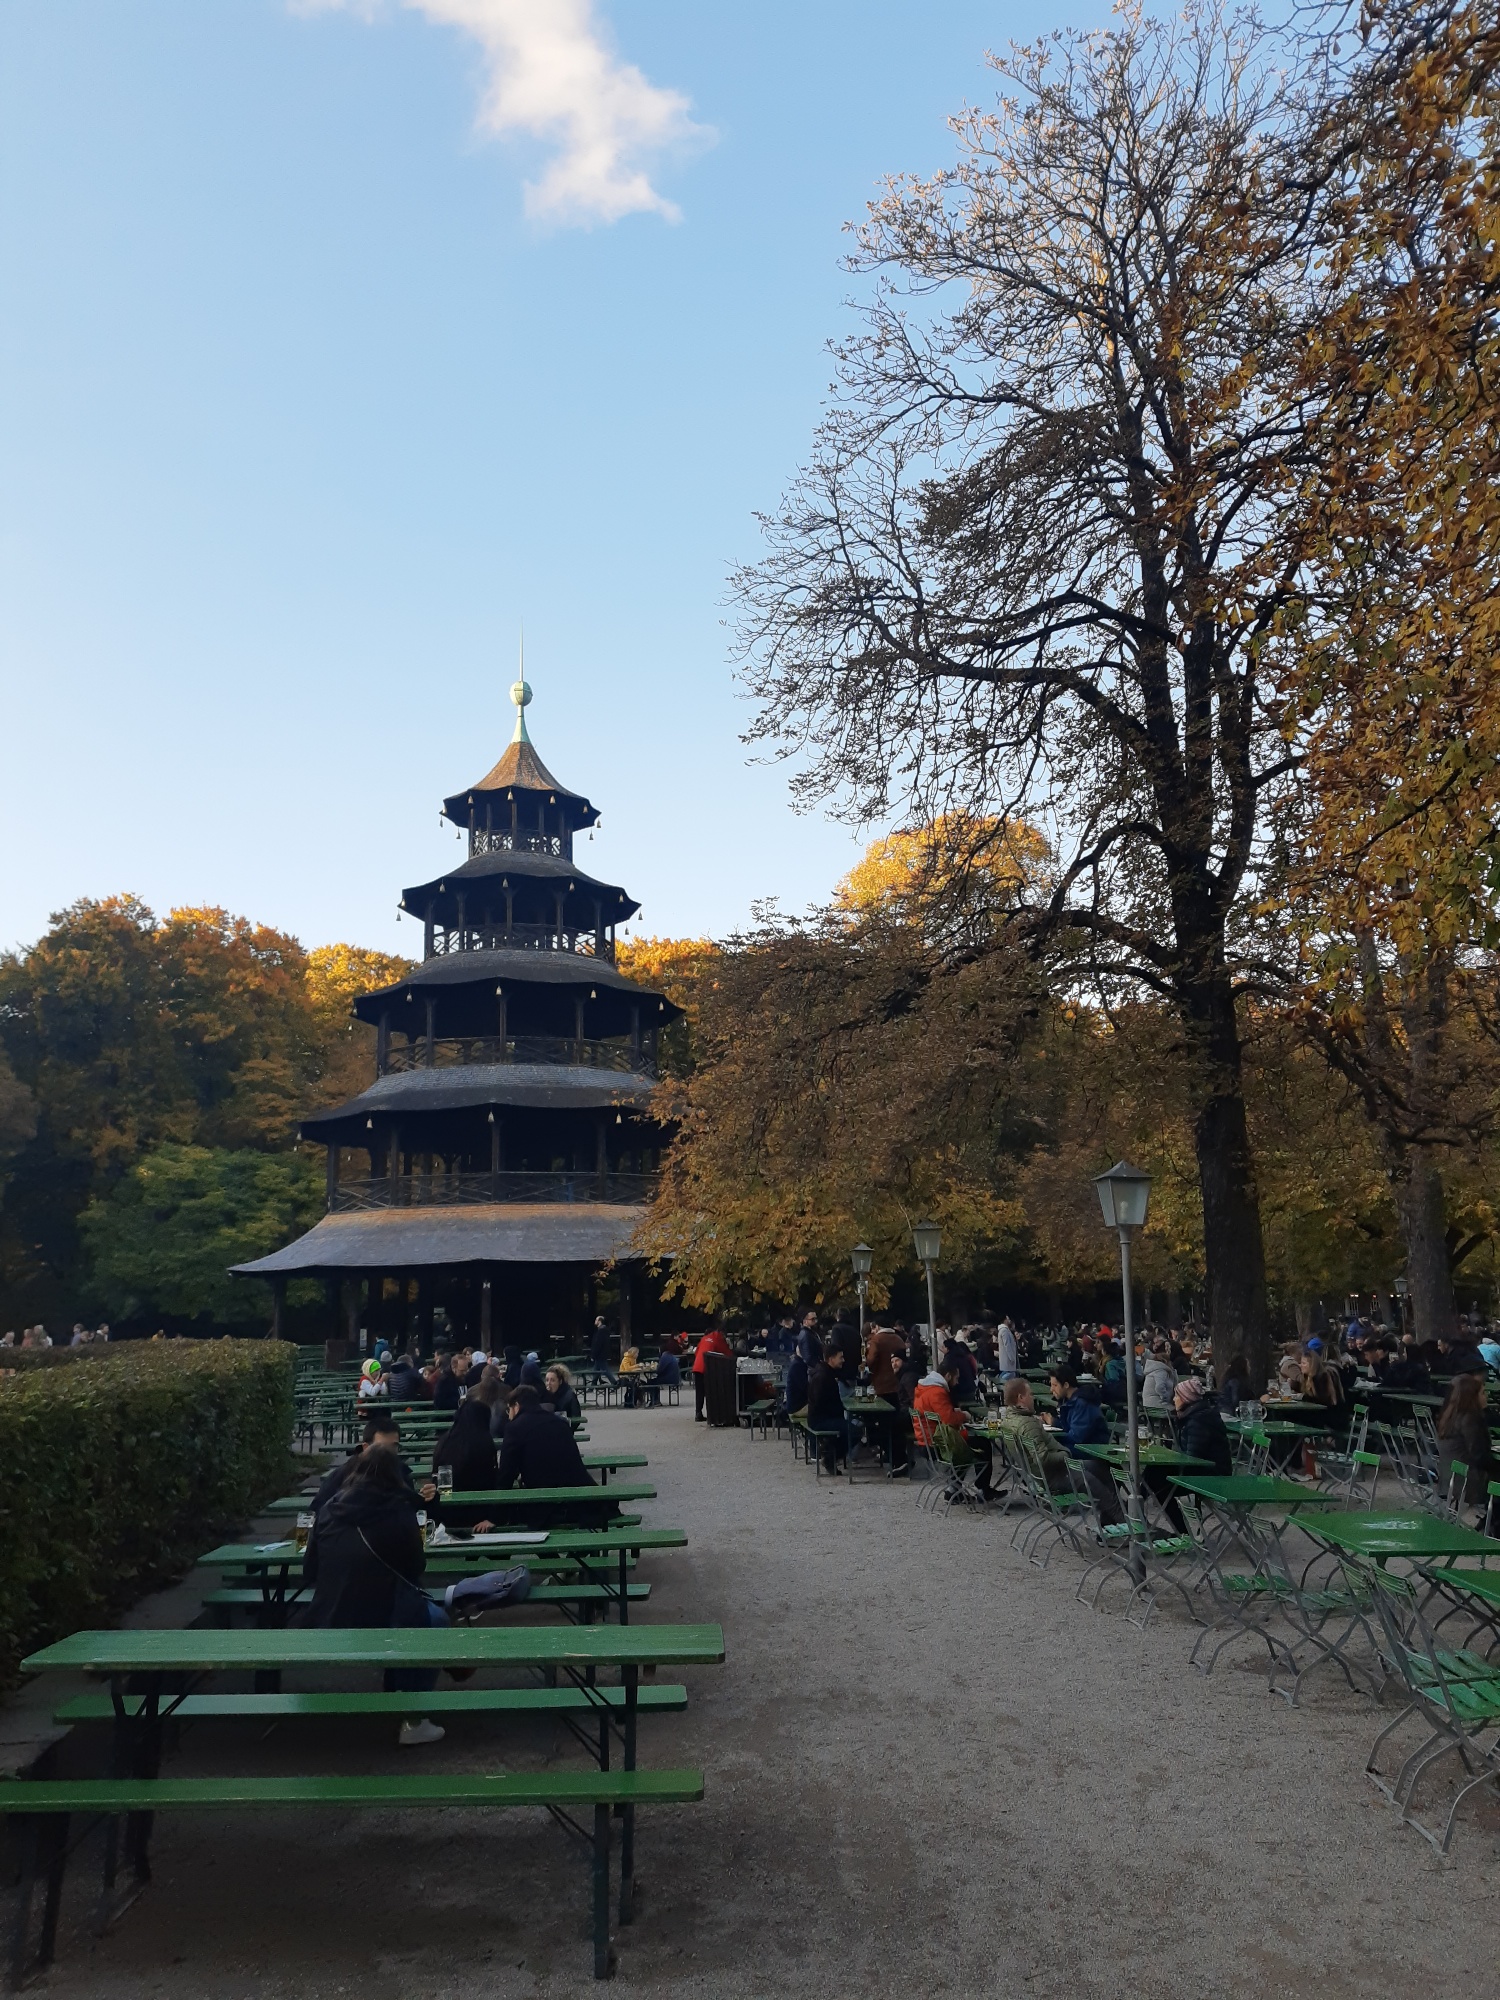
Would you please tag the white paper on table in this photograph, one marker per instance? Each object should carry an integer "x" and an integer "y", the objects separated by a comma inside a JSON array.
[{"x": 517, "y": 1539}]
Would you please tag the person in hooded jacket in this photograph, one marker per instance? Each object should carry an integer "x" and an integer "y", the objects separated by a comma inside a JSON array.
[
  {"x": 364, "y": 1560},
  {"x": 469, "y": 1447},
  {"x": 1159, "y": 1379}
]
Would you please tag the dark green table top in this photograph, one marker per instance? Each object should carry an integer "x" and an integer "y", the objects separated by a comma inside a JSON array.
[
  {"x": 1253, "y": 1490},
  {"x": 202, "y": 1650},
  {"x": 548, "y": 1496},
  {"x": 1383, "y": 1532},
  {"x": 868, "y": 1406},
  {"x": 1149, "y": 1454},
  {"x": 560, "y": 1541},
  {"x": 1365, "y": 1394}
]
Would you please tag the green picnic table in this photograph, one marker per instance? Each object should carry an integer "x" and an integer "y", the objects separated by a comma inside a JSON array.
[
  {"x": 146, "y": 1671},
  {"x": 598, "y": 1555}
]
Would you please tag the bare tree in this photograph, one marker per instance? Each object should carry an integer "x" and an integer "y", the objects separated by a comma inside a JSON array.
[{"x": 1046, "y": 526}]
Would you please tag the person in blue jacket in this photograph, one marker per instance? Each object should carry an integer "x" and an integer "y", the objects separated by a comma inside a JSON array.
[{"x": 1081, "y": 1421}]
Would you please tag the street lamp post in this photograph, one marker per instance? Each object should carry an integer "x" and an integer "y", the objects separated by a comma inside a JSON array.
[
  {"x": 929, "y": 1242},
  {"x": 862, "y": 1257},
  {"x": 1124, "y": 1193}
]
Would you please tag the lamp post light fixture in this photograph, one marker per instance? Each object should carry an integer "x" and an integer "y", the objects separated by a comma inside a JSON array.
[
  {"x": 929, "y": 1241},
  {"x": 862, "y": 1257},
  {"x": 1124, "y": 1195}
]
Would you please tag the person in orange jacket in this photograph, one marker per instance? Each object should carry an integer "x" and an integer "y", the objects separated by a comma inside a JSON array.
[
  {"x": 713, "y": 1342},
  {"x": 932, "y": 1403}
]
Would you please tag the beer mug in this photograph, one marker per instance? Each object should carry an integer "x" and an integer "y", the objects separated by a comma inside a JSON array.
[{"x": 301, "y": 1532}]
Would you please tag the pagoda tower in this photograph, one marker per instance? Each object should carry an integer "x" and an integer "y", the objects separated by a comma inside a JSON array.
[{"x": 504, "y": 1154}]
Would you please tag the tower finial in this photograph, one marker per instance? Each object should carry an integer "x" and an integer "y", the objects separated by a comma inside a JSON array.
[{"x": 520, "y": 694}]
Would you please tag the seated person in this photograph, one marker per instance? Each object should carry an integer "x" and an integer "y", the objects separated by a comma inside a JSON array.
[
  {"x": 380, "y": 1429},
  {"x": 1159, "y": 1379},
  {"x": 469, "y": 1447},
  {"x": 825, "y": 1407},
  {"x": 633, "y": 1391},
  {"x": 1081, "y": 1421},
  {"x": 372, "y": 1386},
  {"x": 1020, "y": 1421},
  {"x": 365, "y": 1559},
  {"x": 559, "y": 1394},
  {"x": 407, "y": 1382},
  {"x": 668, "y": 1368},
  {"x": 538, "y": 1450},
  {"x": 936, "y": 1401}
]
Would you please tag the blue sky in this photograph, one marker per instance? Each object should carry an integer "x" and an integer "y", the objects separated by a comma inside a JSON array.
[{"x": 343, "y": 337}]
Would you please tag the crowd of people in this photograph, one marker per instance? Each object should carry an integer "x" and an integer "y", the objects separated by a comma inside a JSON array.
[
  {"x": 37, "y": 1336},
  {"x": 828, "y": 1367}
]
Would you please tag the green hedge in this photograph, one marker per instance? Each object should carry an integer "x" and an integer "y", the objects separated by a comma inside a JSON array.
[
  {"x": 114, "y": 1477},
  {"x": 23, "y": 1359}
]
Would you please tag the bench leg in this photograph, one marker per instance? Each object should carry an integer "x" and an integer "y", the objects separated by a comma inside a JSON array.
[{"x": 604, "y": 1958}]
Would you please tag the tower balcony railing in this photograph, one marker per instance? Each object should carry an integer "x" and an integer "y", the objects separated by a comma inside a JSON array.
[
  {"x": 442, "y": 1189},
  {"x": 521, "y": 937},
  {"x": 500, "y": 840},
  {"x": 465, "y": 1051}
]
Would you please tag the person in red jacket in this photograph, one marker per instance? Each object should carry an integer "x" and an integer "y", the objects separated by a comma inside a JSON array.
[
  {"x": 933, "y": 1404},
  {"x": 712, "y": 1342}
]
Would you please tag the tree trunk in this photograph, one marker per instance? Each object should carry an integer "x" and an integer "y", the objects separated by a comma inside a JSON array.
[
  {"x": 1418, "y": 1188},
  {"x": 1234, "y": 1254}
]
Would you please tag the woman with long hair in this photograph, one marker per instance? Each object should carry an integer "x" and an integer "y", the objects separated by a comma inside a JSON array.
[{"x": 1464, "y": 1439}]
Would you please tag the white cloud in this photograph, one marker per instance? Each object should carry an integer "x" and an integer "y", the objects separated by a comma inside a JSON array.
[{"x": 551, "y": 73}]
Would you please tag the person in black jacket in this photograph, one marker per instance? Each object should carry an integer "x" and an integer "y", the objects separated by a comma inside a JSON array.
[
  {"x": 560, "y": 1396},
  {"x": 406, "y": 1381},
  {"x": 538, "y": 1450},
  {"x": 365, "y": 1559},
  {"x": 825, "y": 1406},
  {"x": 846, "y": 1339}
]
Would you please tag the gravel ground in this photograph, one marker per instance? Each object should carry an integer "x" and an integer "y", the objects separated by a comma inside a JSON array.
[{"x": 928, "y": 1766}]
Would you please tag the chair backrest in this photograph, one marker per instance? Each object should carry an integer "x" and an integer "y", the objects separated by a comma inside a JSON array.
[{"x": 1490, "y": 1508}]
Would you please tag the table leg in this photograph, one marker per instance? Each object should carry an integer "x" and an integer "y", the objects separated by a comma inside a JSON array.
[
  {"x": 602, "y": 1954},
  {"x": 630, "y": 1677},
  {"x": 624, "y": 1581}
]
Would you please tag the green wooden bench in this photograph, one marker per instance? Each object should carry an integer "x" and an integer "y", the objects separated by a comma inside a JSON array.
[
  {"x": 586, "y": 1596},
  {"x": 45, "y": 1807},
  {"x": 444, "y": 1701}
]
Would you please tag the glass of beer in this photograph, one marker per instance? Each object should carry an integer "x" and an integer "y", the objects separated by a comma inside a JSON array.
[
  {"x": 445, "y": 1480},
  {"x": 301, "y": 1532}
]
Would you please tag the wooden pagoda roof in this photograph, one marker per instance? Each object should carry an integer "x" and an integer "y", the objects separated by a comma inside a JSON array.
[
  {"x": 522, "y": 862},
  {"x": 409, "y": 1239},
  {"x": 535, "y": 968},
  {"x": 519, "y": 769},
  {"x": 464, "y": 1087}
]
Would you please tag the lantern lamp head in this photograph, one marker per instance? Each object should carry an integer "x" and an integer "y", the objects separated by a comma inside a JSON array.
[
  {"x": 861, "y": 1257},
  {"x": 1124, "y": 1195},
  {"x": 929, "y": 1241}
]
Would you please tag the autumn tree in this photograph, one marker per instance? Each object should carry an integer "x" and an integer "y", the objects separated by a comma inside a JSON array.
[
  {"x": 1386, "y": 657},
  {"x": 126, "y": 1033},
  {"x": 1025, "y": 574}
]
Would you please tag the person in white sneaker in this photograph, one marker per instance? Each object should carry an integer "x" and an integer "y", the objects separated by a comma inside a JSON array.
[{"x": 365, "y": 1559}]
